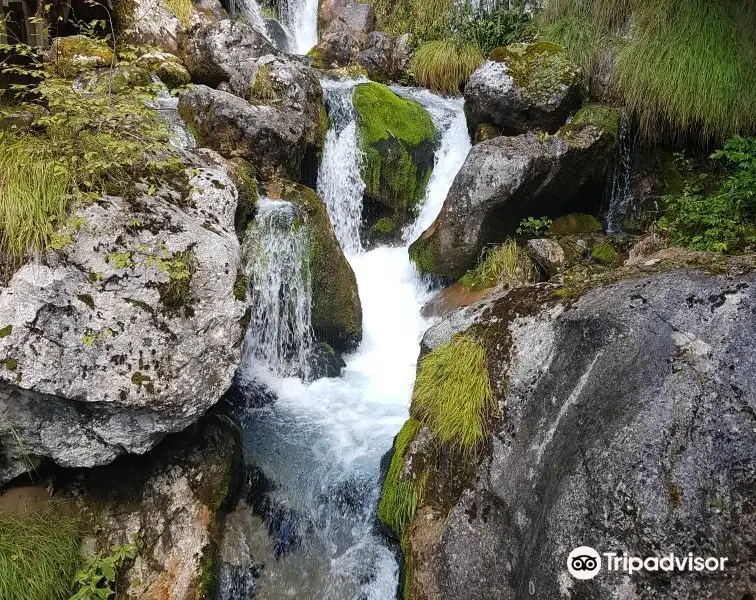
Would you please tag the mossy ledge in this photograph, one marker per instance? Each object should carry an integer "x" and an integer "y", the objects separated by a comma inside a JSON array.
[
  {"x": 600, "y": 115},
  {"x": 397, "y": 137}
]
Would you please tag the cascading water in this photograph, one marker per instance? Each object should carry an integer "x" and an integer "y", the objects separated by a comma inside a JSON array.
[
  {"x": 320, "y": 443},
  {"x": 340, "y": 184},
  {"x": 300, "y": 18},
  {"x": 279, "y": 335},
  {"x": 619, "y": 192}
]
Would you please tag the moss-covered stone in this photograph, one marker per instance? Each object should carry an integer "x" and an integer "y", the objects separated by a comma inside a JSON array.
[
  {"x": 600, "y": 115},
  {"x": 336, "y": 309},
  {"x": 397, "y": 138},
  {"x": 249, "y": 193},
  {"x": 541, "y": 69},
  {"x": 70, "y": 55},
  {"x": 422, "y": 253},
  {"x": 605, "y": 254},
  {"x": 384, "y": 231},
  {"x": 167, "y": 67},
  {"x": 575, "y": 224},
  {"x": 6, "y": 331},
  {"x": 485, "y": 132}
]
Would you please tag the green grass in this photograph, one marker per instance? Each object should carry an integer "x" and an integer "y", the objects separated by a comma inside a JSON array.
[
  {"x": 33, "y": 199},
  {"x": 445, "y": 65},
  {"x": 400, "y": 496},
  {"x": 424, "y": 19},
  {"x": 453, "y": 395},
  {"x": 687, "y": 70},
  {"x": 39, "y": 555},
  {"x": 506, "y": 263}
]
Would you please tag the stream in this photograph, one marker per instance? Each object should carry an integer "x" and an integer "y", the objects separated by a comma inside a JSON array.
[{"x": 319, "y": 443}]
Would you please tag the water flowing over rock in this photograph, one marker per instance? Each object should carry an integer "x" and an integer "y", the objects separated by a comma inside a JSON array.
[
  {"x": 506, "y": 179},
  {"x": 523, "y": 87},
  {"x": 627, "y": 426},
  {"x": 130, "y": 331}
]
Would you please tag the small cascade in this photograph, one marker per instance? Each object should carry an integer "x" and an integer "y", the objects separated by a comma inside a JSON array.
[
  {"x": 250, "y": 11},
  {"x": 619, "y": 191},
  {"x": 278, "y": 274},
  {"x": 339, "y": 180},
  {"x": 300, "y": 18},
  {"x": 167, "y": 105}
]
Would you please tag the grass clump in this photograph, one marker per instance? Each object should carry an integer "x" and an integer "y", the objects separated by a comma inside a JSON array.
[
  {"x": 453, "y": 395},
  {"x": 505, "y": 263},
  {"x": 39, "y": 555},
  {"x": 684, "y": 68},
  {"x": 445, "y": 65},
  {"x": 400, "y": 496},
  {"x": 263, "y": 91}
]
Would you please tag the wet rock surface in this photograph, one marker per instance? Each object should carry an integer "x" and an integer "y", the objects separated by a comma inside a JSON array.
[{"x": 628, "y": 426}]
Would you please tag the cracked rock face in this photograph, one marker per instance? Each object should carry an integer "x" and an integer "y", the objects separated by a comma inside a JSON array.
[
  {"x": 129, "y": 332},
  {"x": 629, "y": 426}
]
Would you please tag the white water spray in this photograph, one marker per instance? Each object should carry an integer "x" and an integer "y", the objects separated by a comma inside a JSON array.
[
  {"x": 300, "y": 18},
  {"x": 619, "y": 193},
  {"x": 321, "y": 442}
]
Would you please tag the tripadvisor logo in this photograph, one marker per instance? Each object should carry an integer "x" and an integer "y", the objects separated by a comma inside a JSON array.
[{"x": 585, "y": 563}]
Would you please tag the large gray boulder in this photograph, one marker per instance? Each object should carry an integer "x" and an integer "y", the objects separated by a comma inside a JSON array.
[
  {"x": 504, "y": 180},
  {"x": 129, "y": 331},
  {"x": 523, "y": 87},
  {"x": 346, "y": 35},
  {"x": 272, "y": 140},
  {"x": 385, "y": 57},
  {"x": 626, "y": 423}
]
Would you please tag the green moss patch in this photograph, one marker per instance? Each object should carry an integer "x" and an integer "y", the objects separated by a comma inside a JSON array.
[
  {"x": 453, "y": 395},
  {"x": 76, "y": 53},
  {"x": 541, "y": 68},
  {"x": 605, "y": 254},
  {"x": 603, "y": 117},
  {"x": 506, "y": 263},
  {"x": 397, "y": 138},
  {"x": 6, "y": 331},
  {"x": 400, "y": 495},
  {"x": 575, "y": 224},
  {"x": 39, "y": 555}
]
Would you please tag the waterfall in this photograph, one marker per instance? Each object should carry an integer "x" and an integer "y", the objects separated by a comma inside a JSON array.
[
  {"x": 339, "y": 180},
  {"x": 251, "y": 11},
  {"x": 619, "y": 191},
  {"x": 321, "y": 442},
  {"x": 278, "y": 274},
  {"x": 300, "y": 18}
]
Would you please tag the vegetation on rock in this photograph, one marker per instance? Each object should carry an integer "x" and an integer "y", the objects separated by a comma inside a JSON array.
[
  {"x": 395, "y": 136},
  {"x": 605, "y": 254},
  {"x": 507, "y": 264},
  {"x": 684, "y": 68},
  {"x": 604, "y": 117},
  {"x": 453, "y": 395},
  {"x": 39, "y": 554},
  {"x": 575, "y": 224}
]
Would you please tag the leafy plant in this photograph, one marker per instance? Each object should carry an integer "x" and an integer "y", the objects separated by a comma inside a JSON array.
[
  {"x": 445, "y": 65},
  {"x": 95, "y": 581},
  {"x": 534, "y": 226},
  {"x": 179, "y": 268},
  {"x": 505, "y": 263},
  {"x": 723, "y": 220},
  {"x": 489, "y": 30},
  {"x": 39, "y": 553}
]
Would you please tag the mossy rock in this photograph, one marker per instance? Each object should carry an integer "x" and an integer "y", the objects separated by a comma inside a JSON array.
[
  {"x": 68, "y": 56},
  {"x": 336, "y": 309},
  {"x": 575, "y": 224},
  {"x": 167, "y": 67},
  {"x": 542, "y": 69},
  {"x": 398, "y": 139},
  {"x": 119, "y": 80},
  {"x": 605, "y": 254},
  {"x": 485, "y": 132},
  {"x": 600, "y": 115},
  {"x": 384, "y": 231}
]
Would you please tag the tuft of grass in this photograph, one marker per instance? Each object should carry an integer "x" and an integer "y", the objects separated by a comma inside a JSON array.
[
  {"x": 39, "y": 555},
  {"x": 686, "y": 69},
  {"x": 445, "y": 65},
  {"x": 263, "y": 91},
  {"x": 506, "y": 263},
  {"x": 424, "y": 19},
  {"x": 33, "y": 199},
  {"x": 400, "y": 496},
  {"x": 453, "y": 395}
]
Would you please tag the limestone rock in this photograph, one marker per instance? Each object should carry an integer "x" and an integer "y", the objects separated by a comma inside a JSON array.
[{"x": 548, "y": 254}]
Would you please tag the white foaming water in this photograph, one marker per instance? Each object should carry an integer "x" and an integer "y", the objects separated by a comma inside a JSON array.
[
  {"x": 340, "y": 183},
  {"x": 251, "y": 10},
  {"x": 321, "y": 442},
  {"x": 619, "y": 192},
  {"x": 278, "y": 271},
  {"x": 300, "y": 18}
]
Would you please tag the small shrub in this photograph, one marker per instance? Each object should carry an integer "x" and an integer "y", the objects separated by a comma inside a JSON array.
[
  {"x": 489, "y": 30},
  {"x": 95, "y": 581},
  {"x": 179, "y": 267},
  {"x": 39, "y": 554},
  {"x": 505, "y": 263},
  {"x": 534, "y": 226},
  {"x": 445, "y": 65},
  {"x": 453, "y": 395},
  {"x": 400, "y": 496},
  {"x": 723, "y": 220}
]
